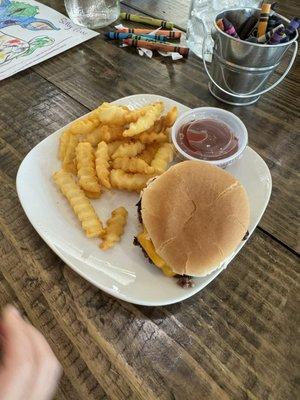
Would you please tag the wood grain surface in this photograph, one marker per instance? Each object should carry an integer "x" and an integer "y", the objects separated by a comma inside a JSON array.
[{"x": 236, "y": 339}]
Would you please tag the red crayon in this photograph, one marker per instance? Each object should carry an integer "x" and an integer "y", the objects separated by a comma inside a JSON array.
[
  {"x": 157, "y": 46},
  {"x": 220, "y": 24},
  {"x": 138, "y": 31}
]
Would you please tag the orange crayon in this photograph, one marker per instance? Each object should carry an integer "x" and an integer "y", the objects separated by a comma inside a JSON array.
[{"x": 263, "y": 19}]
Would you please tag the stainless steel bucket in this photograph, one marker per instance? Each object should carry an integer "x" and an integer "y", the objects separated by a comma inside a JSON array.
[{"x": 240, "y": 70}]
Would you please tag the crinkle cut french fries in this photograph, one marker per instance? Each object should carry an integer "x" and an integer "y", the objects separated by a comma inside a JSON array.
[
  {"x": 112, "y": 147},
  {"x": 114, "y": 228},
  {"x": 80, "y": 204}
]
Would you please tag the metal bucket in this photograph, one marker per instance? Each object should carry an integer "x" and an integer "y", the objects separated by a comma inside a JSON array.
[{"x": 240, "y": 69}]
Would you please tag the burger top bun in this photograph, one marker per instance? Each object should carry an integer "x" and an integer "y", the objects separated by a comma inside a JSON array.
[{"x": 195, "y": 214}]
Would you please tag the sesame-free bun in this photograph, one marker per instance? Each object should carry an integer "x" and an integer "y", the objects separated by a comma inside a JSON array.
[{"x": 196, "y": 214}]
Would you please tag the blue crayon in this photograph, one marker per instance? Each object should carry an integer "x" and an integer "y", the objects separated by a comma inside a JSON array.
[
  {"x": 126, "y": 35},
  {"x": 292, "y": 26}
]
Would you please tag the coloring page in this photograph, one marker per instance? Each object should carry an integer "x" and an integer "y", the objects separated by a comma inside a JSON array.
[{"x": 31, "y": 32}]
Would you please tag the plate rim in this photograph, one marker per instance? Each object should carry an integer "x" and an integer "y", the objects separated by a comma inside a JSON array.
[{"x": 185, "y": 293}]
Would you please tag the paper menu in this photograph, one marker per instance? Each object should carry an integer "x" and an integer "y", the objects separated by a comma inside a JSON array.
[{"x": 31, "y": 32}]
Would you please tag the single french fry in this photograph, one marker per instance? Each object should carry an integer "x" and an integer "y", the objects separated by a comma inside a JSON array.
[
  {"x": 112, "y": 146},
  {"x": 130, "y": 149},
  {"x": 95, "y": 136},
  {"x": 112, "y": 133},
  {"x": 115, "y": 228},
  {"x": 80, "y": 203},
  {"x": 134, "y": 115},
  {"x": 170, "y": 117},
  {"x": 86, "y": 168},
  {"x": 146, "y": 121},
  {"x": 152, "y": 137},
  {"x": 106, "y": 133},
  {"x": 69, "y": 159},
  {"x": 125, "y": 181},
  {"x": 134, "y": 164},
  {"x": 112, "y": 114},
  {"x": 102, "y": 164},
  {"x": 85, "y": 125},
  {"x": 163, "y": 157},
  {"x": 63, "y": 144},
  {"x": 148, "y": 154},
  {"x": 91, "y": 195}
]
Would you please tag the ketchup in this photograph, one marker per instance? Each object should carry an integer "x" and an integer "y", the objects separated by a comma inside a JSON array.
[{"x": 207, "y": 139}]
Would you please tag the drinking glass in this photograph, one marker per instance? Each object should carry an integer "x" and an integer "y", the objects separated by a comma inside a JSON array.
[{"x": 93, "y": 13}]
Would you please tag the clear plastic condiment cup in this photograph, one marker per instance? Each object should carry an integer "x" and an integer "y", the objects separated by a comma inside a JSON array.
[{"x": 218, "y": 114}]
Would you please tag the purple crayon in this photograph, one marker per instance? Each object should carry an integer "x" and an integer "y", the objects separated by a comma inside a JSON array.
[
  {"x": 292, "y": 26},
  {"x": 277, "y": 36},
  {"x": 229, "y": 28}
]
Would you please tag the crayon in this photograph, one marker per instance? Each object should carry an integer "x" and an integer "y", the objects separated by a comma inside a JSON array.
[
  {"x": 247, "y": 27},
  {"x": 284, "y": 40},
  {"x": 292, "y": 27},
  {"x": 138, "y": 31},
  {"x": 126, "y": 35},
  {"x": 147, "y": 20},
  {"x": 263, "y": 19},
  {"x": 273, "y": 22},
  {"x": 167, "y": 47},
  {"x": 229, "y": 28},
  {"x": 277, "y": 36},
  {"x": 274, "y": 5},
  {"x": 220, "y": 24},
  {"x": 251, "y": 39},
  {"x": 264, "y": 38}
]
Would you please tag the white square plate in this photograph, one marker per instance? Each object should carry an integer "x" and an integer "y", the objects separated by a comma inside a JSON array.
[{"x": 122, "y": 271}]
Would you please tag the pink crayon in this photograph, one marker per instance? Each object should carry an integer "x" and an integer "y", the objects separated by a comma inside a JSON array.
[{"x": 229, "y": 28}]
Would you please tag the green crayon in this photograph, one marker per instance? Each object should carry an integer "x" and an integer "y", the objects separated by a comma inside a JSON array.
[{"x": 147, "y": 20}]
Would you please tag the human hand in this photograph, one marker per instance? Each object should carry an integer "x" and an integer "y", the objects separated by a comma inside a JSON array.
[{"x": 29, "y": 369}]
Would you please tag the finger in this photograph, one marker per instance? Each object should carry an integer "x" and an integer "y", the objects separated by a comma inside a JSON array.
[
  {"x": 48, "y": 369},
  {"x": 17, "y": 366}
]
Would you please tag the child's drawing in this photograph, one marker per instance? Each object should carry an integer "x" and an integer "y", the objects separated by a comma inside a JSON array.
[
  {"x": 22, "y": 14},
  {"x": 12, "y": 47},
  {"x": 31, "y": 32}
]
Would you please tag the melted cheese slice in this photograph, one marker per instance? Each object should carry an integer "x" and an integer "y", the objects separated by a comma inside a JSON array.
[{"x": 147, "y": 245}]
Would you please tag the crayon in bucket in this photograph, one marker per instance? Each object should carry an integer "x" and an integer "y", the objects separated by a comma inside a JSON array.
[
  {"x": 246, "y": 28},
  {"x": 264, "y": 38},
  {"x": 229, "y": 28},
  {"x": 263, "y": 19},
  {"x": 220, "y": 24},
  {"x": 277, "y": 36},
  {"x": 292, "y": 27}
]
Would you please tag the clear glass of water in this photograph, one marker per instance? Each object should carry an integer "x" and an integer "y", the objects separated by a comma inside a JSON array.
[
  {"x": 204, "y": 11},
  {"x": 93, "y": 13}
]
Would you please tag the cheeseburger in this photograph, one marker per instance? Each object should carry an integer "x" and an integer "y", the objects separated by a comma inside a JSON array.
[{"x": 193, "y": 216}]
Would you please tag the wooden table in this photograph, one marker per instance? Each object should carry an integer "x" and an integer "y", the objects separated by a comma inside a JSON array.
[{"x": 236, "y": 339}]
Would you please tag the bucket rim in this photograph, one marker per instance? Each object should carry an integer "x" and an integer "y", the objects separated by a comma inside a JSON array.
[{"x": 251, "y": 43}]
